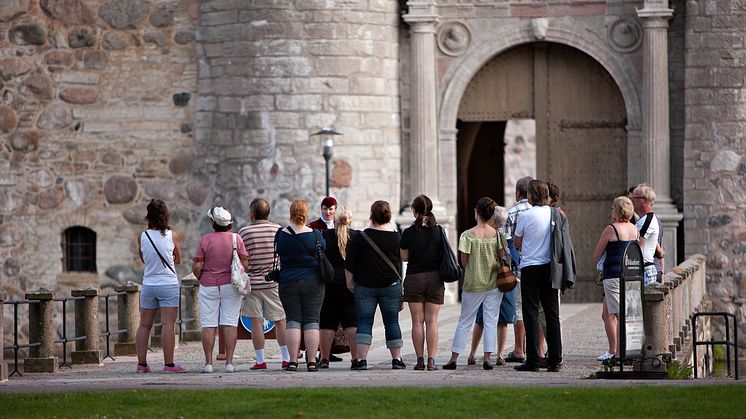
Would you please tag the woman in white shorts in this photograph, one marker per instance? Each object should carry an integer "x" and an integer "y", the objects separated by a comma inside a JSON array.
[
  {"x": 158, "y": 248},
  {"x": 614, "y": 239},
  {"x": 219, "y": 302}
]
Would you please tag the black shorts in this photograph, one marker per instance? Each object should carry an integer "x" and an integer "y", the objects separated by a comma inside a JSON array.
[{"x": 338, "y": 307}]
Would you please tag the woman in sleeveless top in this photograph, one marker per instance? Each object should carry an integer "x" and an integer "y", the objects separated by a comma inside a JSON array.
[
  {"x": 614, "y": 239},
  {"x": 158, "y": 248}
]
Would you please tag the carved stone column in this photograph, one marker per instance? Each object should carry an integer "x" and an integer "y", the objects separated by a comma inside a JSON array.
[
  {"x": 423, "y": 159},
  {"x": 3, "y": 365},
  {"x": 656, "y": 143}
]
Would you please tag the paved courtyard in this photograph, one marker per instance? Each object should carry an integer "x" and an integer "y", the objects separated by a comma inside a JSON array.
[{"x": 583, "y": 340}]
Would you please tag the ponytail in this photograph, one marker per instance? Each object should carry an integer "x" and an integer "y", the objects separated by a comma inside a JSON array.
[{"x": 423, "y": 207}]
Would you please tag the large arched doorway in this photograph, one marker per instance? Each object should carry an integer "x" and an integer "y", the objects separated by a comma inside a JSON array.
[{"x": 580, "y": 128}]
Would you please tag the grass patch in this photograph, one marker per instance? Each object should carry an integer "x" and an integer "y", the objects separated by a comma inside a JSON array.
[{"x": 724, "y": 401}]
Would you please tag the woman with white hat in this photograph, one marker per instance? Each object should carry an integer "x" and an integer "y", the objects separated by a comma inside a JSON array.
[{"x": 219, "y": 302}]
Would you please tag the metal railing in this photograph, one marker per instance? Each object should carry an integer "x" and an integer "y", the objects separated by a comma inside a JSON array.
[
  {"x": 64, "y": 341},
  {"x": 16, "y": 346},
  {"x": 711, "y": 343},
  {"x": 107, "y": 332}
]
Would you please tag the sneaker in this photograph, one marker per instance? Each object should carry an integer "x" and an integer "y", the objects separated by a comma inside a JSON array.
[
  {"x": 230, "y": 368},
  {"x": 605, "y": 356},
  {"x": 142, "y": 369},
  {"x": 258, "y": 366},
  {"x": 397, "y": 364},
  {"x": 285, "y": 365},
  {"x": 175, "y": 369},
  {"x": 207, "y": 369},
  {"x": 362, "y": 365},
  {"x": 353, "y": 364}
]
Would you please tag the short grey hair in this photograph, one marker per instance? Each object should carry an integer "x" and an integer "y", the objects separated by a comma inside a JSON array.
[
  {"x": 647, "y": 192},
  {"x": 521, "y": 186},
  {"x": 499, "y": 217}
]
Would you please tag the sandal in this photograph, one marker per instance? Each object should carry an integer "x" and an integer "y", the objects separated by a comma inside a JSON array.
[
  {"x": 292, "y": 366},
  {"x": 420, "y": 364},
  {"x": 471, "y": 361},
  {"x": 431, "y": 364},
  {"x": 311, "y": 366},
  {"x": 324, "y": 363}
]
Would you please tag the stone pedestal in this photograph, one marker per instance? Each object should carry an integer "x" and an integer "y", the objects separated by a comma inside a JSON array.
[
  {"x": 86, "y": 324},
  {"x": 41, "y": 329},
  {"x": 190, "y": 309},
  {"x": 128, "y": 310},
  {"x": 657, "y": 309},
  {"x": 3, "y": 365}
]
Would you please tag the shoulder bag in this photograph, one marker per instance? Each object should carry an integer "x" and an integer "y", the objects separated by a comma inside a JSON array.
[
  {"x": 449, "y": 269},
  {"x": 324, "y": 268},
  {"x": 274, "y": 273},
  {"x": 388, "y": 262},
  {"x": 239, "y": 277},
  {"x": 506, "y": 280}
]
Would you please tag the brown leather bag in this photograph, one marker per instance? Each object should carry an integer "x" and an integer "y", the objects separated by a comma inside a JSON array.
[{"x": 506, "y": 280}]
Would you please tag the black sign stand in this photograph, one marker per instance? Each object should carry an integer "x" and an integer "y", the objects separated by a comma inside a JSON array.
[{"x": 631, "y": 330}]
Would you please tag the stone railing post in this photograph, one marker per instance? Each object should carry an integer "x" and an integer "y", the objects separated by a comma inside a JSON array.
[
  {"x": 41, "y": 329},
  {"x": 86, "y": 324},
  {"x": 190, "y": 309},
  {"x": 657, "y": 306},
  {"x": 3, "y": 365},
  {"x": 128, "y": 310}
]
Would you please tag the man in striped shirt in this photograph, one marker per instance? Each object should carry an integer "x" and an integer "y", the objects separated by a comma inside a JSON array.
[{"x": 263, "y": 302}]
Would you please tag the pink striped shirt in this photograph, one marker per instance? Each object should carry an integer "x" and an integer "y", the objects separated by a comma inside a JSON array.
[{"x": 259, "y": 239}]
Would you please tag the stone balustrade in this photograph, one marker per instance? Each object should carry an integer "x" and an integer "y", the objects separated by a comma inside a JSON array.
[
  {"x": 86, "y": 324},
  {"x": 41, "y": 329},
  {"x": 3, "y": 365},
  {"x": 128, "y": 310},
  {"x": 669, "y": 308}
]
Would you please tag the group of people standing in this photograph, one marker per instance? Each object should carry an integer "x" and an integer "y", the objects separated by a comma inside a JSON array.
[{"x": 532, "y": 236}]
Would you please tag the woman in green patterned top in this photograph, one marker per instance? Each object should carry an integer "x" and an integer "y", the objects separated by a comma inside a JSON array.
[{"x": 480, "y": 247}]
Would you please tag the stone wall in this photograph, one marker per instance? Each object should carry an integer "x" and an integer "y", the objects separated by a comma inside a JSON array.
[
  {"x": 274, "y": 72},
  {"x": 715, "y": 146},
  {"x": 96, "y": 118}
]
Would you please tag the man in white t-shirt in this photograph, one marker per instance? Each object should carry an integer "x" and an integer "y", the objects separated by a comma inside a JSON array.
[
  {"x": 643, "y": 198},
  {"x": 533, "y": 237}
]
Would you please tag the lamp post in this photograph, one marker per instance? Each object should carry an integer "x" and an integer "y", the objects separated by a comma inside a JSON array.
[{"x": 327, "y": 144}]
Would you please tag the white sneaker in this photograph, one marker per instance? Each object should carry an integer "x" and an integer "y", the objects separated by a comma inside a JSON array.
[
  {"x": 207, "y": 369},
  {"x": 605, "y": 356},
  {"x": 230, "y": 368}
]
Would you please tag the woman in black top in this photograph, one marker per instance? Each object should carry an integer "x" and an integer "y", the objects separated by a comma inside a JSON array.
[
  {"x": 376, "y": 282},
  {"x": 339, "y": 302},
  {"x": 423, "y": 288}
]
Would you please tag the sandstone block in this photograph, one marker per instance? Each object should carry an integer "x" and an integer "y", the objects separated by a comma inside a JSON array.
[
  {"x": 116, "y": 40},
  {"x": 123, "y": 14},
  {"x": 184, "y": 37},
  {"x": 80, "y": 191},
  {"x": 8, "y": 119},
  {"x": 9, "y": 9},
  {"x": 40, "y": 86},
  {"x": 25, "y": 141},
  {"x": 15, "y": 66},
  {"x": 79, "y": 95},
  {"x": 81, "y": 37},
  {"x": 163, "y": 15},
  {"x": 94, "y": 59},
  {"x": 71, "y": 12},
  {"x": 156, "y": 38},
  {"x": 56, "y": 116},
  {"x": 120, "y": 189},
  {"x": 56, "y": 57},
  {"x": 725, "y": 161},
  {"x": 282, "y": 67},
  {"x": 40, "y": 364},
  {"x": 86, "y": 357},
  {"x": 31, "y": 34}
]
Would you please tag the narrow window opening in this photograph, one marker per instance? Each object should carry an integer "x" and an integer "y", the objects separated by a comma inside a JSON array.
[{"x": 79, "y": 250}]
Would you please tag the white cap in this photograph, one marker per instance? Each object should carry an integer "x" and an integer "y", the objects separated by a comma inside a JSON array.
[{"x": 220, "y": 216}]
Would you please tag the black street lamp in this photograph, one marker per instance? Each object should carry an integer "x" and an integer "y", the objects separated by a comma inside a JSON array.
[{"x": 327, "y": 144}]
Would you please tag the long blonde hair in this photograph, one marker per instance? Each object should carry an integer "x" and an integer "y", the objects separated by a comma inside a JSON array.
[{"x": 343, "y": 221}]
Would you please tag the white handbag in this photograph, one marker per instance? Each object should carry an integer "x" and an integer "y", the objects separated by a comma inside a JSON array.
[{"x": 239, "y": 277}]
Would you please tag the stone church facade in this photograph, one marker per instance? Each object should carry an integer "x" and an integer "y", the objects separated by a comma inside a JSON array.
[{"x": 105, "y": 104}]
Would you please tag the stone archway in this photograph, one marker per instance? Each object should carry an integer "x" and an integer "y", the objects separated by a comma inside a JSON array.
[{"x": 566, "y": 134}]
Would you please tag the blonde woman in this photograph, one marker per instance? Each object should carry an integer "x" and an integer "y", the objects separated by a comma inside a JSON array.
[
  {"x": 339, "y": 302},
  {"x": 614, "y": 239}
]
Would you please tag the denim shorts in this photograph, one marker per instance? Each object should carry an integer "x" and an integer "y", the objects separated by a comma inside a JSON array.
[
  {"x": 302, "y": 302},
  {"x": 156, "y": 296}
]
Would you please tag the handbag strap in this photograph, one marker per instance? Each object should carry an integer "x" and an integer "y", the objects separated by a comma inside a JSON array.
[
  {"x": 308, "y": 249},
  {"x": 235, "y": 245},
  {"x": 381, "y": 254},
  {"x": 163, "y": 260},
  {"x": 274, "y": 249}
]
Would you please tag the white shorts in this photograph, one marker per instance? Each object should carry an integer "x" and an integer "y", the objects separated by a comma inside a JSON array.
[
  {"x": 219, "y": 306},
  {"x": 518, "y": 304}
]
